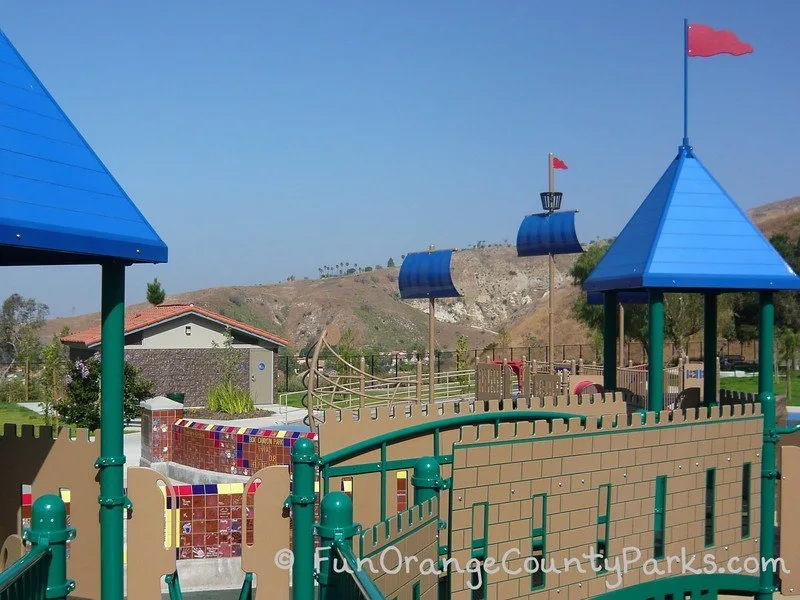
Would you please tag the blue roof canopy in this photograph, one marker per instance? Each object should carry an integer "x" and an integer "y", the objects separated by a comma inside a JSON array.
[
  {"x": 58, "y": 202},
  {"x": 689, "y": 234},
  {"x": 427, "y": 275},
  {"x": 596, "y": 298},
  {"x": 548, "y": 233}
]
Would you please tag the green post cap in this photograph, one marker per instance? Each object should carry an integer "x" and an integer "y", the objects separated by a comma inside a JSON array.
[
  {"x": 303, "y": 451},
  {"x": 336, "y": 511},
  {"x": 426, "y": 470},
  {"x": 48, "y": 513},
  {"x": 426, "y": 480}
]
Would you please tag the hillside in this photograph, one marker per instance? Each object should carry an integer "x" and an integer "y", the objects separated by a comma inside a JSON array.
[
  {"x": 778, "y": 217},
  {"x": 498, "y": 290}
]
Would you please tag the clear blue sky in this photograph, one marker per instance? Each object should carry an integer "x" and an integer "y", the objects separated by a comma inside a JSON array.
[{"x": 264, "y": 139}]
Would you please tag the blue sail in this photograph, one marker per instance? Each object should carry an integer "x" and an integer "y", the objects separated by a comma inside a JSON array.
[
  {"x": 548, "y": 233},
  {"x": 427, "y": 275}
]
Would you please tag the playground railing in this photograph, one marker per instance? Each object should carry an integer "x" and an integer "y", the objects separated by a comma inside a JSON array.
[
  {"x": 42, "y": 571},
  {"x": 352, "y": 391}
]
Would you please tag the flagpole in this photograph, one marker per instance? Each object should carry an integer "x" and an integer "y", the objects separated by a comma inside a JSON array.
[
  {"x": 551, "y": 276},
  {"x": 686, "y": 83}
]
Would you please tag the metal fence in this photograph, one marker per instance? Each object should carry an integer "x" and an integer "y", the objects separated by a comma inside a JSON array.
[{"x": 289, "y": 369}]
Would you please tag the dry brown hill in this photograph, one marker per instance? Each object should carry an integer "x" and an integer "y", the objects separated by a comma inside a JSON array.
[
  {"x": 498, "y": 290},
  {"x": 778, "y": 217}
]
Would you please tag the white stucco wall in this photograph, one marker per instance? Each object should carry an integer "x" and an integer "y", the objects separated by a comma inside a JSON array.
[{"x": 172, "y": 335}]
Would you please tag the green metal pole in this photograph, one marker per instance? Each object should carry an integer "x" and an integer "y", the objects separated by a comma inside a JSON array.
[
  {"x": 304, "y": 460},
  {"x": 769, "y": 472},
  {"x": 49, "y": 528},
  {"x": 610, "y": 341},
  {"x": 112, "y": 457},
  {"x": 655, "y": 363},
  {"x": 710, "y": 350},
  {"x": 336, "y": 526}
]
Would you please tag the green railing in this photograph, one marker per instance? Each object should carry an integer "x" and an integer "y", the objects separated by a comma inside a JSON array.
[
  {"x": 328, "y": 464},
  {"x": 305, "y": 462},
  {"x": 42, "y": 573},
  {"x": 341, "y": 577}
]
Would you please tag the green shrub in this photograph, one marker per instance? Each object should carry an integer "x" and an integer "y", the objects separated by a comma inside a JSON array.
[
  {"x": 81, "y": 404},
  {"x": 228, "y": 398}
]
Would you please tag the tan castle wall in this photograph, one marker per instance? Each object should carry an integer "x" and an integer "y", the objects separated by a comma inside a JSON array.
[
  {"x": 345, "y": 427},
  {"x": 570, "y": 464}
]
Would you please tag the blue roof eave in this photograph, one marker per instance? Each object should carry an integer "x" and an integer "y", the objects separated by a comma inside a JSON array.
[
  {"x": 686, "y": 283},
  {"x": 75, "y": 246}
]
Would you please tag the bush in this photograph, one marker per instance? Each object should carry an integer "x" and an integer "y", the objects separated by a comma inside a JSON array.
[
  {"x": 228, "y": 398},
  {"x": 81, "y": 405}
]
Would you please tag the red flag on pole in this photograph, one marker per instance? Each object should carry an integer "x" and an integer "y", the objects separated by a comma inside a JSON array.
[
  {"x": 707, "y": 41},
  {"x": 559, "y": 164}
]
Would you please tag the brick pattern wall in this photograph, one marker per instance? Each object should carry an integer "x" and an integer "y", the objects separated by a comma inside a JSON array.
[
  {"x": 234, "y": 450},
  {"x": 193, "y": 371},
  {"x": 412, "y": 532},
  {"x": 570, "y": 464},
  {"x": 157, "y": 434}
]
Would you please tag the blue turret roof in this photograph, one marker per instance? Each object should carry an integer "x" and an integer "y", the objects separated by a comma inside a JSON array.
[
  {"x": 689, "y": 234},
  {"x": 58, "y": 202}
]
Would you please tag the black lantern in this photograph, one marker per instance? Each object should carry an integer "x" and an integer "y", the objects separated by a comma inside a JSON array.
[{"x": 551, "y": 201}]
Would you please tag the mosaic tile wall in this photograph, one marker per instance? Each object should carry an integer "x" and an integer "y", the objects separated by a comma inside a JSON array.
[
  {"x": 234, "y": 450},
  {"x": 157, "y": 434},
  {"x": 210, "y": 520}
]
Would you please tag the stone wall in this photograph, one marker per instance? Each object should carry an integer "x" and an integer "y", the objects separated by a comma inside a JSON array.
[{"x": 193, "y": 371}]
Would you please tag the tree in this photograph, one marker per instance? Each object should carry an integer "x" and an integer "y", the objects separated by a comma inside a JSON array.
[
  {"x": 20, "y": 322},
  {"x": 503, "y": 338},
  {"x": 390, "y": 262},
  {"x": 462, "y": 357},
  {"x": 788, "y": 343},
  {"x": 56, "y": 362},
  {"x": 155, "y": 293},
  {"x": 683, "y": 312},
  {"x": 745, "y": 306},
  {"x": 346, "y": 348},
  {"x": 81, "y": 405}
]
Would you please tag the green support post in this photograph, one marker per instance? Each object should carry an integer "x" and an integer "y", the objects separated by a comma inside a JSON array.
[
  {"x": 49, "y": 528},
  {"x": 336, "y": 525},
  {"x": 426, "y": 479},
  {"x": 610, "y": 341},
  {"x": 304, "y": 461},
  {"x": 769, "y": 471},
  {"x": 655, "y": 362},
  {"x": 112, "y": 456},
  {"x": 710, "y": 350}
]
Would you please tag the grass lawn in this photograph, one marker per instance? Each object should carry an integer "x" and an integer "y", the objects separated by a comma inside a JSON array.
[
  {"x": 13, "y": 413},
  {"x": 750, "y": 384},
  {"x": 294, "y": 399}
]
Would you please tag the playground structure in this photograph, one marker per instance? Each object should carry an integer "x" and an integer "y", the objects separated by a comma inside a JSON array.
[
  {"x": 353, "y": 387},
  {"x": 537, "y": 477}
]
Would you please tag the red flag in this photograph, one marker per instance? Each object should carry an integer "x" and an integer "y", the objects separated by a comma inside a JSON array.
[
  {"x": 707, "y": 41},
  {"x": 559, "y": 164}
]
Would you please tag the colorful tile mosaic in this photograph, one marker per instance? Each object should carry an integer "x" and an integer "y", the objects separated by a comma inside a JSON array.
[
  {"x": 210, "y": 520},
  {"x": 230, "y": 449},
  {"x": 157, "y": 434}
]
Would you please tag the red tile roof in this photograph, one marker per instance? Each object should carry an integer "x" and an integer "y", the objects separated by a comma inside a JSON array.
[{"x": 165, "y": 312}]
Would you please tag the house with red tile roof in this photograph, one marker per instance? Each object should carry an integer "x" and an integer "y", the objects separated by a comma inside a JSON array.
[{"x": 177, "y": 347}]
